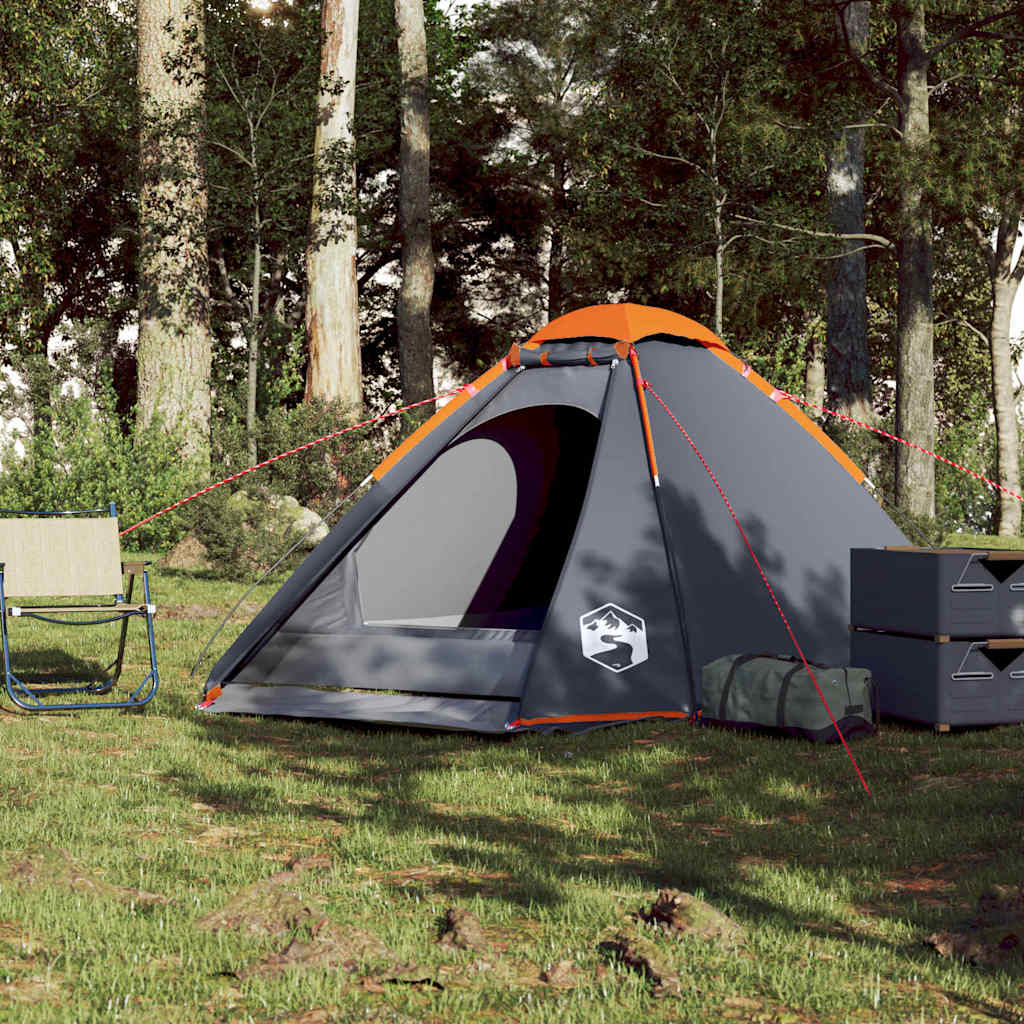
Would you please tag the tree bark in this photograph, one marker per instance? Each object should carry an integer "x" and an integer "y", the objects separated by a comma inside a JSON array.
[
  {"x": 814, "y": 373},
  {"x": 415, "y": 351},
  {"x": 1006, "y": 278},
  {"x": 332, "y": 306},
  {"x": 556, "y": 250},
  {"x": 174, "y": 348},
  {"x": 915, "y": 372},
  {"x": 848, "y": 370}
]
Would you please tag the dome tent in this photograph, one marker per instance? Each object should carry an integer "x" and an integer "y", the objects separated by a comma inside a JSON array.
[{"x": 516, "y": 563}]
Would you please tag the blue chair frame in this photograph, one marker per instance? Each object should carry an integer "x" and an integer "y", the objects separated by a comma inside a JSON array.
[{"x": 39, "y": 695}]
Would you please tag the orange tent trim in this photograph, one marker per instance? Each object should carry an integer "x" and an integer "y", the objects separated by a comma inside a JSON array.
[
  {"x": 625, "y": 323},
  {"x": 624, "y": 716}
]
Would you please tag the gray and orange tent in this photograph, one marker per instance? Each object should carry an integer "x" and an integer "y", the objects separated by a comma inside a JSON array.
[{"x": 520, "y": 563}]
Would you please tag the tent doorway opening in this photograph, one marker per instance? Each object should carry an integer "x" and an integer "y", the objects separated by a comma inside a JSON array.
[{"x": 430, "y": 561}]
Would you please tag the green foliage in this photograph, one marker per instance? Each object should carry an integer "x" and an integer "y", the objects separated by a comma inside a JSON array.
[
  {"x": 240, "y": 523},
  {"x": 87, "y": 461},
  {"x": 67, "y": 158},
  {"x": 318, "y": 476}
]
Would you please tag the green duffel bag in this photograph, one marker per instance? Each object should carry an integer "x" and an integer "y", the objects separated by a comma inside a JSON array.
[{"x": 766, "y": 691}]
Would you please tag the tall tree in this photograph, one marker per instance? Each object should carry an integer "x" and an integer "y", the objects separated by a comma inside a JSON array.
[
  {"x": 414, "y": 347},
  {"x": 847, "y": 369},
  {"x": 1005, "y": 264},
  {"x": 915, "y": 371},
  {"x": 261, "y": 100},
  {"x": 174, "y": 348},
  {"x": 67, "y": 181},
  {"x": 332, "y": 305},
  {"x": 542, "y": 65}
]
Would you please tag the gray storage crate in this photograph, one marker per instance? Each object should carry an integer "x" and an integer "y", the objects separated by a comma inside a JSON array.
[
  {"x": 955, "y": 592},
  {"x": 944, "y": 683}
]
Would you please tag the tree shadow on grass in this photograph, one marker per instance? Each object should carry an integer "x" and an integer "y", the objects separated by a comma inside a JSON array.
[{"x": 737, "y": 818}]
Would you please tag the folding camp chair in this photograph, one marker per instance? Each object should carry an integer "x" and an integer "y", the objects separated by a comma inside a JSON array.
[{"x": 67, "y": 555}]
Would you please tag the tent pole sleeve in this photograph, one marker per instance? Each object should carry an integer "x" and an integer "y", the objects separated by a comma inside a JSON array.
[
  {"x": 645, "y": 418},
  {"x": 666, "y": 534}
]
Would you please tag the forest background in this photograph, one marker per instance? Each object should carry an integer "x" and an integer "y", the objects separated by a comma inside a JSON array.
[{"x": 240, "y": 226}]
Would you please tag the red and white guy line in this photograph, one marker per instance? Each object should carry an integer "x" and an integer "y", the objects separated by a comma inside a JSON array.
[
  {"x": 903, "y": 441},
  {"x": 764, "y": 579},
  {"x": 292, "y": 451}
]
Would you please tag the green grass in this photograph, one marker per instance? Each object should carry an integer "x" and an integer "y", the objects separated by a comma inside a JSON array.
[
  {"x": 980, "y": 540},
  {"x": 549, "y": 840}
]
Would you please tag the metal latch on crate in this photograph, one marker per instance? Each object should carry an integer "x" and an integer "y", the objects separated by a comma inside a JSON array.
[
  {"x": 971, "y": 588},
  {"x": 1003, "y": 644}
]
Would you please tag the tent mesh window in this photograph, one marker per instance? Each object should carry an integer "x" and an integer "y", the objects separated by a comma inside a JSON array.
[{"x": 524, "y": 475}]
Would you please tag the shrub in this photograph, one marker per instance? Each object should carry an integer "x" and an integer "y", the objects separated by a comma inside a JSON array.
[
  {"x": 86, "y": 460},
  {"x": 238, "y": 523}
]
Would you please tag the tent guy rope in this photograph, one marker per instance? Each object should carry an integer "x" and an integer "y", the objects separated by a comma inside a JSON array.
[
  {"x": 894, "y": 437},
  {"x": 764, "y": 579},
  {"x": 293, "y": 451}
]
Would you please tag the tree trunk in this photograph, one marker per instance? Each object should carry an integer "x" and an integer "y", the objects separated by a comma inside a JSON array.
[
  {"x": 814, "y": 374},
  {"x": 332, "y": 307},
  {"x": 915, "y": 373},
  {"x": 174, "y": 348},
  {"x": 252, "y": 376},
  {"x": 556, "y": 250},
  {"x": 719, "y": 265},
  {"x": 414, "y": 345},
  {"x": 1006, "y": 278},
  {"x": 848, "y": 370}
]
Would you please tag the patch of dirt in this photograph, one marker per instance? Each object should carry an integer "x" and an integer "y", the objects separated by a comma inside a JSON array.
[
  {"x": 189, "y": 553},
  {"x": 929, "y": 882},
  {"x": 461, "y": 929},
  {"x": 757, "y": 1011},
  {"x": 323, "y": 945},
  {"x": 42, "y": 988},
  {"x": 263, "y": 909},
  {"x": 268, "y": 907},
  {"x": 55, "y": 868},
  {"x": 642, "y": 955},
  {"x": 243, "y": 613},
  {"x": 563, "y": 974},
  {"x": 220, "y": 835},
  {"x": 684, "y": 916},
  {"x": 994, "y": 937}
]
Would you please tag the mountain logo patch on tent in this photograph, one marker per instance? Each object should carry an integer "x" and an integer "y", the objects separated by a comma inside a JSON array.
[{"x": 613, "y": 637}]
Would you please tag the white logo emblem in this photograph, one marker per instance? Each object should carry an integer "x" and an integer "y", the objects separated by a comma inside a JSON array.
[{"x": 613, "y": 637}]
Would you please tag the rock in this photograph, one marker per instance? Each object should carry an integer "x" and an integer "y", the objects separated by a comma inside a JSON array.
[
  {"x": 298, "y": 521},
  {"x": 994, "y": 937},
  {"x": 188, "y": 553},
  {"x": 642, "y": 955},
  {"x": 462, "y": 930},
  {"x": 682, "y": 915}
]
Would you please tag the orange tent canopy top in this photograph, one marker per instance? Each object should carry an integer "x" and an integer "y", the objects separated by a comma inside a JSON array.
[{"x": 624, "y": 321}]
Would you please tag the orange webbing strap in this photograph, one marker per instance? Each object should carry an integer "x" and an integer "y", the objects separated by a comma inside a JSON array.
[{"x": 638, "y": 380}]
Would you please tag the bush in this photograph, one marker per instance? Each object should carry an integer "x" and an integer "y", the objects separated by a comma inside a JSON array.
[
  {"x": 86, "y": 460},
  {"x": 318, "y": 476},
  {"x": 238, "y": 523}
]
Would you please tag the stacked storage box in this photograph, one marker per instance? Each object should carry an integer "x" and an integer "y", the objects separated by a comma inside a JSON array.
[{"x": 942, "y": 631}]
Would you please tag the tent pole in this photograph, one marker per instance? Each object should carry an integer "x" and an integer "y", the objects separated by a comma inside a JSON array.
[{"x": 652, "y": 461}]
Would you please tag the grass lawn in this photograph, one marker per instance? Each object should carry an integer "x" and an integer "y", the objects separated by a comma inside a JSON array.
[{"x": 157, "y": 864}]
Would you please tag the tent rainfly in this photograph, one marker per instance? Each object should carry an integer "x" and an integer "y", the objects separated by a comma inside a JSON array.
[{"x": 520, "y": 563}]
